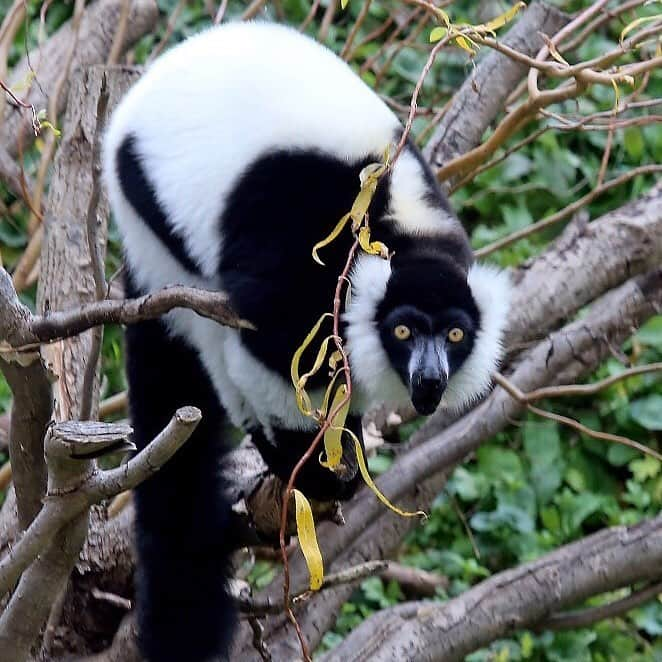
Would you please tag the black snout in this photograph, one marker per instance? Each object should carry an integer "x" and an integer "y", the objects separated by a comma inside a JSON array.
[{"x": 426, "y": 392}]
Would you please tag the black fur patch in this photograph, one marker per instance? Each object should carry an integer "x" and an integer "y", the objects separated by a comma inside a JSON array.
[
  {"x": 282, "y": 206},
  {"x": 314, "y": 480},
  {"x": 139, "y": 191},
  {"x": 182, "y": 515}
]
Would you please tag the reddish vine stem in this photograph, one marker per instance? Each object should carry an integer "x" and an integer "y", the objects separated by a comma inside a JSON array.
[
  {"x": 311, "y": 449},
  {"x": 414, "y": 99}
]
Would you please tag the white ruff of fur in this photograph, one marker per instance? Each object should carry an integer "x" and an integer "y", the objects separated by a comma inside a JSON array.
[
  {"x": 491, "y": 290},
  {"x": 373, "y": 378}
]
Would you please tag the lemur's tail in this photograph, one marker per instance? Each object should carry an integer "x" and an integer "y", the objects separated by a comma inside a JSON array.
[{"x": 182, "y": 514}]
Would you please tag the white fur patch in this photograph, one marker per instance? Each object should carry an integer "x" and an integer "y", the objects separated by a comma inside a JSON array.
[
  {"x": 491, "y": 290},
  {"x": 271, "y": 397},
  {"x": 213, "y": 104},
  {"x": 373, "y": 377},
  {"x": 408, "y": 206}
]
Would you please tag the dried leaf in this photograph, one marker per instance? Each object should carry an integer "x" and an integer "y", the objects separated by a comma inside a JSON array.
[
  {"x": 333, "y": 434},
  {"x": 636, "y": 23},
  {"x": 303, "y": 401},
  {"x": 327, "y": 240},
  {"x": 308, "y": 540},
  {"x": 371, "y": 484},
  {"x": 334, "y": 360},
  {"x": 371, "y": 247},
  {"x": 501, "y": 19}
]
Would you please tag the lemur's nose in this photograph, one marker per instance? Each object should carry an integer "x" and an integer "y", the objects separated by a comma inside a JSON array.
[{"x": 426, "y": 392}]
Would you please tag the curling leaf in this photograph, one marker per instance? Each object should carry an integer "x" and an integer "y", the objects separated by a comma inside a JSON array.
[
  {"x": 303, "y": 400},
  {"x": 371, "y": 247},
  {"x": 333, "y": 434},
  {"x": 501, "y": 19},
  {"x": 308, "y": 540},
  {"x": 371, "y": 484},
  {"x": 465, "y": 44},
  {"x": 636, "y": 23},
  {"x": 327, "y": 240}
]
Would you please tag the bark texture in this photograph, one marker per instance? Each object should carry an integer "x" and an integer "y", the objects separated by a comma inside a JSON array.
[
  {"x": 483, "y": 94},
  {"x": 95, "y": 39},
  {"x": 510, "y": 600}
]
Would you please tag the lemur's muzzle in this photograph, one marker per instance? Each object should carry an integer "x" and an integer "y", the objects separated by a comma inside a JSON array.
[{"x": 428, "y": 375}]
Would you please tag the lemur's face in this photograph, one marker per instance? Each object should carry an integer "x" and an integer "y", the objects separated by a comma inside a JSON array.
[{"x": 427, "y": 324}]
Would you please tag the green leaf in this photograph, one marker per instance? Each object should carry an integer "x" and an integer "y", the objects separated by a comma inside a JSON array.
[
  {"x": 651, "y": 332},
  {"x": 619, "y": 455},
  {"x": 644, "y": 468},
  {"x": 467, "y": 485},
  {"x": 437, "y": 34},
  {"x": 575, "y": 508},
  {"x": 543, "y": 448},
  {"x": 500, "y": 465},
  {"x": 633, "y": 139},
  {"x": 647, "y": 411},
  {"x": 649, "y": 618}
]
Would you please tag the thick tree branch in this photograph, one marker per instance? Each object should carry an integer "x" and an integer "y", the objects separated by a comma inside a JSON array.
[
  {"x": 77, "y": 484},
  {"x": 511, "y": 600},
  {"x": 25, "y": 331},
  {"x": 419, "y": 474}
]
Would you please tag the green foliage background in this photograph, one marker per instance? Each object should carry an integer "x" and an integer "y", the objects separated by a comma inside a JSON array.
[{"x": 537, "y": 485}]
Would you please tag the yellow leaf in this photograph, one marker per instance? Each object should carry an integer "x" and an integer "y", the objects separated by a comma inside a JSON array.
[
  {"x": 303, "y": 401},
  {"x": 636, "y": 23},
  {"x": 443, "y": 17},
  {"x": 308, "y": 540},
  {"x": 319, "y": 359},
  {"x": 371, "y": 484},
  {"x": 371, "y": 247},
  {"x": 555, "y": 53},
  {"x": 47, "y": 125},
  {"x": 617, "y": 95},
  {"x": 372, "y": 171},
  {"x": 344, "y": 3},
  {"x": 335, "y": 359},
  {"x": 325, "y": 242},
  {"x": 465, "y": 44},
  {"x": 501, "y": 19},
  {"x": 333, "y": 434}
]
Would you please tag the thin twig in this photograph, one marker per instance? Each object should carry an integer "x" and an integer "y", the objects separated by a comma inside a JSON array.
[
  {"x": 567, "y": 211},
  {"x": 574, "y": 390},
  {"x": 522, "y": 398},
  {"x": 581, "y": 618},
  {"x": 346, "y": 49}
]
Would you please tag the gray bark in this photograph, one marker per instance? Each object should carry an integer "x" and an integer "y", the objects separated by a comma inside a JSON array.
[
  {"x": 482, "y": 96},
  {"x": 95, "y": 39},
  {"x": 509, "y": 601}
]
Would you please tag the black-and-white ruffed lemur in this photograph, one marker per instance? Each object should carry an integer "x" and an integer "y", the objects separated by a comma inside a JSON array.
[{"x": 234, "y": 154}]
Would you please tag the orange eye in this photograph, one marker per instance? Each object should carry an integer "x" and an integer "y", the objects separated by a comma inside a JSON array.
[
  {"x": 402, "y": 332},
  {"x": 456, "y": 335}
]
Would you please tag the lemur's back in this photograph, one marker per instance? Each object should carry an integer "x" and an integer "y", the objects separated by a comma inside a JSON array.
[{"x": 220, "y": 100}]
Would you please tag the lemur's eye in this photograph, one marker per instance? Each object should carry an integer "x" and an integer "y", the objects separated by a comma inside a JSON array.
[
  {"x": 402, "y": 332},
  {"x": 456, "y": 334}
]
